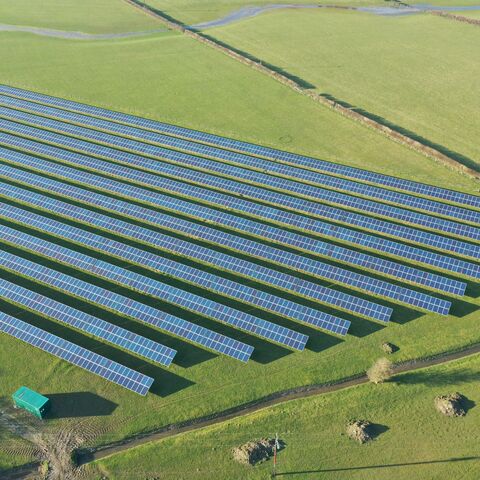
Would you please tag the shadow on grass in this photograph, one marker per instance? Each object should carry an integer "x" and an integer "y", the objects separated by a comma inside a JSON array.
[
  {"x": 377, "y": 429},
  {"x": 437, "y": 379},
  {"x": 166, "y": 383},
  {"x": 79, "y": 404},
  {"x": 386, "y": 465}
]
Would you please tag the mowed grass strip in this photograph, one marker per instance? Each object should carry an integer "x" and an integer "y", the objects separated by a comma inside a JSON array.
[
  {"x": 413, "y": 439},
  {"x": 89, "y": 16},
  {"x": 415, "y": 72}
]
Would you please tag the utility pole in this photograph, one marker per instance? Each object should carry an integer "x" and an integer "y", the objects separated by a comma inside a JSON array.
[{"x": 276, "y": 447}]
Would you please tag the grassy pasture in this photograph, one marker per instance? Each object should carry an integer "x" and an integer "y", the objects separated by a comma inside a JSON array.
[
  {"x": 414, "y": 440},
  {"x": 90, "y": 16},
  {"x": 191, "y": 12},
  {"x": 416, "y": 72},
  {"x": 144, "y": 77}
]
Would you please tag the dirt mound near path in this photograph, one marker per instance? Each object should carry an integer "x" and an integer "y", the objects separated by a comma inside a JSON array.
[
  {"x": 252, "y": 453},
  {"x": 450, "y": 405},
  {"x": 359, "y": 430}
]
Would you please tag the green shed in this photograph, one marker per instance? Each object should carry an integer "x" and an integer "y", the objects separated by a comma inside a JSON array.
[{"x": 31, "y": 401}]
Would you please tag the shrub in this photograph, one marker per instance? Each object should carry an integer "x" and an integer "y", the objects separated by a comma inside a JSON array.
[{"x": 380, "y": 371}]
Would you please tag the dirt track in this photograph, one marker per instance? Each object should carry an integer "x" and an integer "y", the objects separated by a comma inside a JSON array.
[{"x": 274, "y": 399}]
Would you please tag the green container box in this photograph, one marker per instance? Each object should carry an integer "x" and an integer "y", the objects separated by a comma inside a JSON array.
[{"x": 31, "y": 401}]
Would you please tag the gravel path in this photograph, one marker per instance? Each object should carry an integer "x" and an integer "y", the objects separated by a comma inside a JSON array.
[{"x": 90, "y": 455}]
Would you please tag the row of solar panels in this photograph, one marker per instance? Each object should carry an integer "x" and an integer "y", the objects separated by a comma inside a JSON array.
[
  {"x": 273, "y": 233},
  {"x": 273, "y": 155},
  {"x": 218, "y": 199},
  {"x": 258, "y": 272},
  {"x": 201, "y": 254},
  {"x": 245, "y": 189}
]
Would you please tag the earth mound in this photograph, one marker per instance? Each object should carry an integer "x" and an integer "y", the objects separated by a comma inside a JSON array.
[
  {"x": 450, "y": 405},
  {"x": 252, "y": 453},
  {"x": 359, "y": 430},
  {"x": 389, "y": 348}
]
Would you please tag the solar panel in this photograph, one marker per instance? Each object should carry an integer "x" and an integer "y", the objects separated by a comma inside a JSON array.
[
  {"x": 143, "y": 284},
  {"x": 290, "y": 238},
  {"x": 300, "y": 161},
  {"x": 328, "y": 271},
  {"x": 322, "y": 294},
  {"x": 87, "y": 323},
  {"x": 275, "y": 198},
  {"x": 126, "y": 306},
  {"x": 324, "y": 270},
  {"x": 81, "y": 357},
  {"x": 293, "y": 219},
  {"x": 248, "y": 246},
  {"x": 241, "y": 160}
]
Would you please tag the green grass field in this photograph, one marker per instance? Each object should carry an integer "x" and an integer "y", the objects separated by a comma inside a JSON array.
[
  {"x": 416, "y": 441},
  {"x": 144, "y": 76},
  {"x": 175, "y": 79},
  {"x": 90, "y": 16},
  {"x": 191, "y": 12},
  {"x": 375, "y": 63}
]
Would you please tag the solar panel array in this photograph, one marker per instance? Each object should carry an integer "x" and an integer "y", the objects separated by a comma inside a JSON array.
[
  {"x": 249, "y": 246},
  {"x": 364, "y": 282},
  {"x": 238, "y": 159},
  {"x": 274, "y": 277},
  {"x": 155, "y": 288},
  {"x": 161, "y": 264},
  {"x": 206, "y": 204},
  {"x": 257, "y": 193},
  {"x": 109, "y": 332},
  {"x": 126, "y": 306},
  {"x": 236, "y": 145},
  {"x": 81, "y": 357},
  {"x": 329, "y": 250},
  {"x": 289, "y": 219}
]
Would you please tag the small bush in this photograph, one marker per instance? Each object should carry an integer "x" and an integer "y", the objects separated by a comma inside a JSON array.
[
  {"x": 380, "y": 371},
  {"x": 389, "y": 348}
]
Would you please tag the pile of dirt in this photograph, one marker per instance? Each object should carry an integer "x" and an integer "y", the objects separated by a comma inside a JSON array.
[
  {"x": 359, "y": 430},
  {"x": 252, "y": 453},
  {"x": 450, "y": 405}
]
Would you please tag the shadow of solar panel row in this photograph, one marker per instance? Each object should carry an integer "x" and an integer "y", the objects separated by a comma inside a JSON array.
[
  {"x": 162, "y": 264},
  {"x": 257, "y": 193},
  {"x": 242, "y": 160},
  {"x": 322, "y": 294},
  {"x": 143, "y": 284},
  {"x": 290, "y": 238},
  {"x": 274, "y": 277},
  {"x": 87, "y": 323},
  {"x": 330, "y": 213},
  {"x": 254, "y": 248},
  {"x": 81, "y": 357},
  {"x": 126, "y": 306},
  {"x": 249, "y": 148}
]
